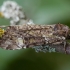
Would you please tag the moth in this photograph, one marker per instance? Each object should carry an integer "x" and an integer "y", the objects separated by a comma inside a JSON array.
[{"x": 34, "y": 36}]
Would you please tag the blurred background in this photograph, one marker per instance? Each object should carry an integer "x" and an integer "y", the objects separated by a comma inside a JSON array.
[{"x": 41, "y": 12}]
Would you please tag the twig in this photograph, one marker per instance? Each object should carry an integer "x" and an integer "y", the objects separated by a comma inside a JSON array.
[{"x": 44, "y": 38}]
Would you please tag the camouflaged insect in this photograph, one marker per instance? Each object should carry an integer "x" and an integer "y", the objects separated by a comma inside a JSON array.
[{"x": 26, "y": 36}]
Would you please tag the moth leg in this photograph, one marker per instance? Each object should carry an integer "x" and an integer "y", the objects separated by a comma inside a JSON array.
[{"x": 65, "y": 44}]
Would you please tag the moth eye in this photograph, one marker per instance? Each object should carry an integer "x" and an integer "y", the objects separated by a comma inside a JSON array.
[{"x": 1, "y": 32}]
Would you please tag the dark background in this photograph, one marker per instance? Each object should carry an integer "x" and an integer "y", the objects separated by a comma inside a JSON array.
[{"x": 41, "y": 12}]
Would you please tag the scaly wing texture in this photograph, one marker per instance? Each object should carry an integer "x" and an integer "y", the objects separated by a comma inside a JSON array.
[{"x": 34, "y": 36}]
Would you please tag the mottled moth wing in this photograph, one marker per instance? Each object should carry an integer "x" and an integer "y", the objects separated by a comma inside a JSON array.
[{"x": 26, "y": 36}]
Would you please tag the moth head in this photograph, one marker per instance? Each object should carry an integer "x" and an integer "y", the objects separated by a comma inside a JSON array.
[{"x": 68, "y": 34}]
